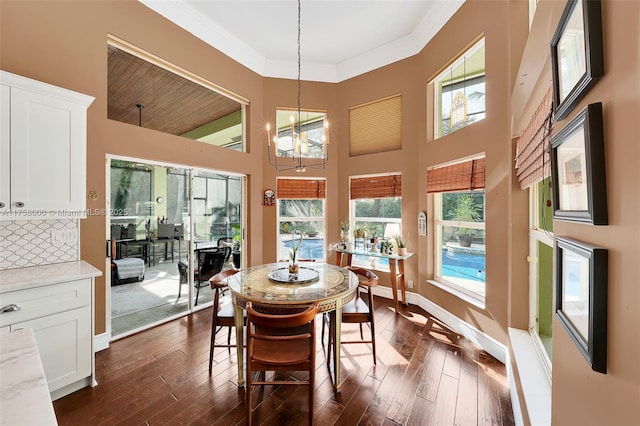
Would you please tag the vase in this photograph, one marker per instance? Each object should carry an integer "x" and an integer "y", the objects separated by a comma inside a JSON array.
[
  {"x": 402, "y": 251},
  {"x": 293, "y": 267}
]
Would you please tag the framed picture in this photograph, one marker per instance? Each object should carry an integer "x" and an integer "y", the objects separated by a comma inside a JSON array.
[
  {"x": 578, "y": 169},
  {"x": 581, "y": 298},
  {"x": 576, "y": 54}
]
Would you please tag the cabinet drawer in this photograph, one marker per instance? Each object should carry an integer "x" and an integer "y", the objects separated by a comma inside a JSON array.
[{"x": 37, "y": 302}]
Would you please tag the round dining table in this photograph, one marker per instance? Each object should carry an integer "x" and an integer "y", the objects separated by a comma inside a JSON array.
[{"x": 272, "y": 289}]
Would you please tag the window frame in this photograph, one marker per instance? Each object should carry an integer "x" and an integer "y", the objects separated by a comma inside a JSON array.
[
  {"x": 353, "y": 219},
  {"x": 308, "y": 120},
  {"x": 282, "y": 252},
  {"x": 538, "y": 235},
  {"x": 459, "y": 61},
  {"x": 439, "y": 223}
]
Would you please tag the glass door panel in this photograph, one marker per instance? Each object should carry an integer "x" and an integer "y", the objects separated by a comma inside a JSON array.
[
  {"x": 217, "y": 206},
  {"x": 149, "y": 210}
]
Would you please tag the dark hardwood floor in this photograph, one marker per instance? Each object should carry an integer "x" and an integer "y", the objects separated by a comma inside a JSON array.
[{"x": 425, "y": 375}]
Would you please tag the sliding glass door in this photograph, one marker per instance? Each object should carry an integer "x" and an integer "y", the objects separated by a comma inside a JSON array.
[{"x": 166, "y": 221}]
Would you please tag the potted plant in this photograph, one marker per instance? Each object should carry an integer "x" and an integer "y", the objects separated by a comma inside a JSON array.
[
  {"x": 360, "y": 232},
  {"x": 293, "y": 254},
  {"x": 401, "y": 242},
  {"x": 466, "y": 211},
  {"x": 344, "y": 231}
]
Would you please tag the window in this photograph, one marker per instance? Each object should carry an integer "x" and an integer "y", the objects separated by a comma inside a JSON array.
[
  {"x": 310, "y": 126},
  {"x": 459, "y": 92},
  {"x": 541, "y": 269},
  {"x": 533, "y": 171},
  {"x": 301, "y": 212},
  {"x": 146, "y": 91},
  {"x": 459, "y": 215},
  {"x": 376, "y": 205}
]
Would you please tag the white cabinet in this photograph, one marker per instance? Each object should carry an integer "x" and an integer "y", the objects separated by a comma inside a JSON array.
[
  {"x": 42, "y": 149},
  {"x": 60, "y": 316}
]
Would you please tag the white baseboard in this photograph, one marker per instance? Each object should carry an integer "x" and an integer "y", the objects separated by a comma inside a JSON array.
[
  {"x": 489, "y": 344},
  {"x": 101, "y": 342},
  {"x": 513, "y": 393}
]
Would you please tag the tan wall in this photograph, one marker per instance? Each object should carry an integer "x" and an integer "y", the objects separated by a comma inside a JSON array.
[
  {"x": 64, "y": 43},
  {"x": 420, "y": 151},
  {"x": 581, "y": 396}
]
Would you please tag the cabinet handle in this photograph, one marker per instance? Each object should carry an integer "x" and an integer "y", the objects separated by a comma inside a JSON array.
[
  {"x": 10, "y": 308},
  {"x": 1, "y": 205},
  {"x": 19, "y": 204}
]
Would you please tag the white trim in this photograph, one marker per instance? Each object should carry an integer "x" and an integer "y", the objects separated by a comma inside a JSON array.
[
  {"x": 186, "y": 16},
  {"x": 101, "y": 342},
  {"x": 513, "y": 393},
  {"x": 489, "y": 344},
  {"x": 41, "y": 87},
  {"x": 536, "y": 388}
]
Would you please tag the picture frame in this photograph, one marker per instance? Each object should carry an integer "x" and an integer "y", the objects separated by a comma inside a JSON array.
[
  {"x": 576, "y": 54},
  {"x": 581, "y": 298},
  {"x": 578, "y": 169}
]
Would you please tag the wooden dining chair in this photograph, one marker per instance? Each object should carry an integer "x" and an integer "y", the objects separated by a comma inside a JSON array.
[
  {"x": 280, "y": 343},
  {"x": 358, "y": 311},
  {"x": 223, "y": 311}
]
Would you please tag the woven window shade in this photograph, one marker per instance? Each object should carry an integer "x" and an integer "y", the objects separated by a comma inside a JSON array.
[
  {"x": 376, "y": 187},
  {"x": 464, "y": 176},
  {"x": 532, "y": 149},
  {"x": 376, "y": 126},
  {"x": 300, "y": 189}
]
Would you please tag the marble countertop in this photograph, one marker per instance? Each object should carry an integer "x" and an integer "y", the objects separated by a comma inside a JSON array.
[
  {"x": 35, "y": 276},
  {"x": 24, "y": 394}
]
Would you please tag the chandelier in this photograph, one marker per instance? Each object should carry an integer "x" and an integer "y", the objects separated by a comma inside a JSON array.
[{"x": 294, "y": 147}]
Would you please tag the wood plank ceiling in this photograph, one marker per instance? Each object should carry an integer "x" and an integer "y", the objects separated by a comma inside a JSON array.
[{"x": 172, "y": 104}]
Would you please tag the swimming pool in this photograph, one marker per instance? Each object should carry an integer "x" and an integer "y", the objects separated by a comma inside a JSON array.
[
  {"x": 462, "y": 265},
  {"x": 311, "y": 248},
  {"x": 454, "y": 264}
]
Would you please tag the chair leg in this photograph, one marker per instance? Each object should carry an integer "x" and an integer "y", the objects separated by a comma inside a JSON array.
[
  {"x": 197, "y": 293},
  {"x": 373, "y": 340},
  {"x": 312, "y": 373},
  {"x": 179, "y": 291},
  {"x": 214, "y": 322},
  {"x": 361, "y": 334},
  {"x": 247, "y": 390}
]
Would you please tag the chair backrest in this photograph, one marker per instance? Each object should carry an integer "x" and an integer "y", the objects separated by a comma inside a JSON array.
[
  {"x": 226, "y": 242},
  {"x": 365, "y": 277},
  {"x": 219, "y": 280},
  {"x": 268, "y": 326},
  {"x": 211, "y": 261}
]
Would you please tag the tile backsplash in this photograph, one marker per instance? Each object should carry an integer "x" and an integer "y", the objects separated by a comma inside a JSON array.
[{"x": 38, "y": 242}]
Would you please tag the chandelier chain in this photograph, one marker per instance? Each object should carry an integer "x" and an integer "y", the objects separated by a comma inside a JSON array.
[{"x": 299, "y": 68}]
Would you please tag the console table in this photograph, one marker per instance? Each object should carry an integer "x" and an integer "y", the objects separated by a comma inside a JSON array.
[{"x": 396, "y": 269}]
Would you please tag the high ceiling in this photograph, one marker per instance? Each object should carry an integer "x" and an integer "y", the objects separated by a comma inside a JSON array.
[{"x": 339, "y": 38}]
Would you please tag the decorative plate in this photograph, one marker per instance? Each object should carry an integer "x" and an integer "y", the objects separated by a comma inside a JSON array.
[{"x": 304, "y": 275}]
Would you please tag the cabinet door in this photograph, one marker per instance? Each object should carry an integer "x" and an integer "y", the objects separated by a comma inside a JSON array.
[
  {"x": 5, "y": 140},
  {"x": 64, "y": 343},
  {"x": 48, "y": 138}
]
